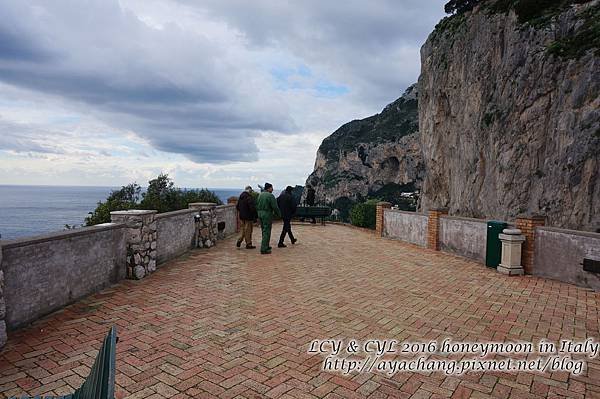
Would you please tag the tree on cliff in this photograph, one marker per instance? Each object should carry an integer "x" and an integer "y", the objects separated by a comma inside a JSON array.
[
  {"x": 460, "y": 6},
  {"x": 161, "y": 195}
]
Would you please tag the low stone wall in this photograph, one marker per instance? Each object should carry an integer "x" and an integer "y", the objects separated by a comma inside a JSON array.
[
  {"x": 406, "y": 226},
  {"x": 559, "y": 255},
  {"x": 42, "y": 274},
  {"x": 463, "y": 236},
  {"x": 45, "y": 273},
  {"x": 176, "y": 233},
  {"x": 226, "y": 214}
]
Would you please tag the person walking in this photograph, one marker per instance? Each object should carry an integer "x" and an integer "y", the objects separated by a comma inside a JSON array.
[
  {"x": 310, "y": 199},
  {"x": 266, "y": 205},
  {"x": 287, "y": 206},
  {"x": 248, "y": 215}
]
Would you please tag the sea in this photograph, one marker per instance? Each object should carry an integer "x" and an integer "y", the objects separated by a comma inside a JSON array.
[{"x": 27, "y": 211}]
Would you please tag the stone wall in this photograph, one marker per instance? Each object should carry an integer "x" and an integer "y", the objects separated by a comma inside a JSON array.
[
  {"x": 406, "y": 226},
  {"x": 176, "y": 234},
  {"x": 226, "y": 214},
  {"x": 141, "y": 240},
  {"x": 3, "y": 335},
  {"x": 48, "y": 272},
  {"x": 463, "y": 236},
  {"x": 559, "y": 255},
  {"x": 42, "y": 274}
]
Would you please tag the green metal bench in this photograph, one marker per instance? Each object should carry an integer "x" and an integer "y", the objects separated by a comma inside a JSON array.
[
  {"x": 100, "y": 384},
  {"x": 320, "y": 212}
]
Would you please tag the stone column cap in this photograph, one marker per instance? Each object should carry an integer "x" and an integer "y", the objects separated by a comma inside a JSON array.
[
  {"x": 512, "y": 231},
  {"x": 131, "y": 212},
  {"x": 511, "y": 237}
]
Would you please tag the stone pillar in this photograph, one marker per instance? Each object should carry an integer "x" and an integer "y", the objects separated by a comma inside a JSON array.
[
  {"x": 379, "y": 214},
  {"x": 511, "y": 252},
  {"x": 206, "y": 224},
  {"x": 234, "y": 201},
  {"x": 433, "y": 228},
  {"x": 3, "y": 335},
  {"x": 527, "y": 225},
  {"x": 141, "y": 241}
]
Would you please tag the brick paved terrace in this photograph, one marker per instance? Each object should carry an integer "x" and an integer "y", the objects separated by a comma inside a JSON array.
[{"x": 231, "y": 323}]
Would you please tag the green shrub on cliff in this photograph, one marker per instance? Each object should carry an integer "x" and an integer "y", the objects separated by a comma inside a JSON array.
[
  {"x": 161, "y": 195},
  {"x": 526, "y": 10},
  {"x": 363, "y": 214},
  {"x": 119, "y": 200}
]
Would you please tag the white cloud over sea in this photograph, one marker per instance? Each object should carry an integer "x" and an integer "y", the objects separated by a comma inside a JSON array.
[{"x": 216, "y": 93}]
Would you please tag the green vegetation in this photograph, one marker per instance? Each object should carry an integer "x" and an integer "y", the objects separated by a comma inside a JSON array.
[
  {"x": 404, "y": 196},
  {"x": 397, "y": 120},
  {"x": 363, "y": 214},
  {"x": 161, "y": 195},
  {"x": 585, "y": 38},
  {"x": 537, "y": 13}
]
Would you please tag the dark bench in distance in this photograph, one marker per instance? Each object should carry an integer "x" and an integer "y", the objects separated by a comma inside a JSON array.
[
  {"x": 317, "y": 212},
  {"x": 100, "y": 384}
]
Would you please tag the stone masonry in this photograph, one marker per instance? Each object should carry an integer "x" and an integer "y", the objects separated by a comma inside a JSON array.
[
  {"x": 233, "y": 201},
  {"x": 2, "y": 306},
  {"x": 141, "y": 241},
  {"x": 206, "y": 224}
]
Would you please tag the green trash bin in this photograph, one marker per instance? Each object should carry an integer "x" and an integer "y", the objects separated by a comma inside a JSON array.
[{"x": 493, "y": 249}]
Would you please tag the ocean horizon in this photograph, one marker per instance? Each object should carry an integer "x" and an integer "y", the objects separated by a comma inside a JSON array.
[{"x": 31, "y": 210}]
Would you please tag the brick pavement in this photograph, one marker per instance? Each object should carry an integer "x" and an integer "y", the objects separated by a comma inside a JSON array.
[{"x": 231, "y": 323}]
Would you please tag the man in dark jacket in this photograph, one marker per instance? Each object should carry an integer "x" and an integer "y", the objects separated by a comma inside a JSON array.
[
  {"x": 248, "y": 215},
  {"x": 287, "y": 206}
]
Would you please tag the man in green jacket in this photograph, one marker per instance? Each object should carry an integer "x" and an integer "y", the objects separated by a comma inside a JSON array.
[{"x": 266, "y": 205}]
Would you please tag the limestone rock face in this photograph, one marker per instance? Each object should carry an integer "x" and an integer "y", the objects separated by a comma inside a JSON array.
[
  {"x": 365, "y": 156},
  {"x": 506, "y": 127}
]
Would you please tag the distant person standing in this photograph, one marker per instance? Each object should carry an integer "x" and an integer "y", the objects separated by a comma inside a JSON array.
[
  {"x": 310, "y": 199},
  {"x": 287, "y": 206},
  {"x": 266, "y": 206},
  {"x": 248, "y": 215}
]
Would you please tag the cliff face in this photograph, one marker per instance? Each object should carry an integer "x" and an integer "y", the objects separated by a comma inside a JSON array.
[
  {"x": 375, "y": 156},
  {"x": 506, "y": 126}
]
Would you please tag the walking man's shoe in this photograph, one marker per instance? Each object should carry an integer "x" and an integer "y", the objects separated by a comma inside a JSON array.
[
  {"x": 250, "y": 246},
  {"x": 239, "y": 243},
  {"x": 281, "y": 245},
  {"x": 294, "y": 240}
]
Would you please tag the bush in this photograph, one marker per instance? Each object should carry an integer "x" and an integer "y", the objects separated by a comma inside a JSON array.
[
  {"x": 118, "y": 200},
  {"x": 161, "y": 195},
  {"x": 363, "y": 214}
]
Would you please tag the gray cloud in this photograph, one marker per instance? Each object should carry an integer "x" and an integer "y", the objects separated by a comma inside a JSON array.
[
  {"x": 188, "y": 93},
  {"x": 25, "y": 138}
]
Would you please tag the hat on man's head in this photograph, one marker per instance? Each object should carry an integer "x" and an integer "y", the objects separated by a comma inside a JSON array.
[
  {"x": 268, "y": 186},
  {"x": 289, "y": 189},
  {"x": 248, "y": 188}
]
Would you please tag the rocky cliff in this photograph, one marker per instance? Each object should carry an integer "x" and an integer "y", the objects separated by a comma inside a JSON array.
[
  {"x": 509, "y": 115},
  {"x": 378, "y": 156}
]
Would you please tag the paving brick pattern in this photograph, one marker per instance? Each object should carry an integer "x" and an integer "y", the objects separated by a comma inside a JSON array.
[{"x": 231, "y": 323}]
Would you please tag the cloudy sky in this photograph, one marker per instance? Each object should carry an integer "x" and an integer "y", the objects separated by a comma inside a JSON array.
[{"x": 217, "y": 93}]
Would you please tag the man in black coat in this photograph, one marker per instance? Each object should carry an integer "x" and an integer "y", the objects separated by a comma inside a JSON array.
[
  {"x": 246, "y": 207},
  {"x": 287, "y": 206}
]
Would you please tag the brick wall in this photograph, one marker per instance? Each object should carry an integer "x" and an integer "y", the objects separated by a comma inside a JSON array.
[
  {"x": 381, "y": 206},
  {"x": 527, "y": 225},
  {"x": 433, "y": 228}
]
